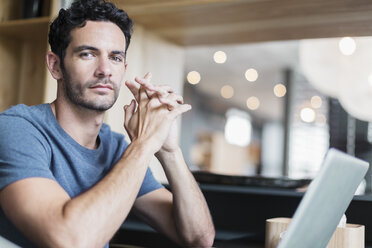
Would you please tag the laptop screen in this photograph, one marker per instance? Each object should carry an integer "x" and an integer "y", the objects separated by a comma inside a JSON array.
[{"x": 325, "y": 201}]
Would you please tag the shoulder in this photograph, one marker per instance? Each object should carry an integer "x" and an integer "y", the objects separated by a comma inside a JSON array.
[
  {"x": 22, "y": 109},
  {"x": 21, "y": 125},
  {"x": 36, "y": 113}
]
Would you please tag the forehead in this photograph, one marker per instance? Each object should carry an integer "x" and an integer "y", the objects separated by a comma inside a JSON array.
[{"x": 100, "y": 34}]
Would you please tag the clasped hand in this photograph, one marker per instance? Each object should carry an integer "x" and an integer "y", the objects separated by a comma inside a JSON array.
[{"x": 151, "y": 115}]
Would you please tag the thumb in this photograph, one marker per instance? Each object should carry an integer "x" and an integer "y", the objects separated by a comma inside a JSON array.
[
  {"x": 133, "y": 89},
  {"x": 129, "y": 111}
]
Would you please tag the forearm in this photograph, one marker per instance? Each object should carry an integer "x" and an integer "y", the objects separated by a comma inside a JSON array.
[
  {"x": 100, "y": 211},
  {"x": 191, "y": 213}
]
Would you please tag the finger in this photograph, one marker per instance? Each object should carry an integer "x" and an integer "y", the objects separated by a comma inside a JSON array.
[
  {"x": 143, "y": 98},
  {"x": 150, "y": 89},
  {"x": 167, "y": 88},
  {"x": 161, "y": 91},
  {"x": 126, "y": 116},
  {"x": 172, "y": 101},
  {"x": 129, "y": 111},
  {"x": 148, "y": 76},
  {"x": 180, "y": 109},
  {"x": 145, "y": 82},
  {"x": 134, "y": 89},
  {"x": 155, "y": 103},
  {"x": 170, "y": 104},
  {"x": 175, "y": 98}
]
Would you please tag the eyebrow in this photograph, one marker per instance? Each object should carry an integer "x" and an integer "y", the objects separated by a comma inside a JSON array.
[
  {"x": 85, "y": 47},
  {"x": 119, "y": 53}
]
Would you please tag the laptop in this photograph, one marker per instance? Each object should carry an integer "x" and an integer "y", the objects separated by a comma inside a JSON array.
[
  {"x": 325, "y": 201},
  {"x": 4, "y": 243}
]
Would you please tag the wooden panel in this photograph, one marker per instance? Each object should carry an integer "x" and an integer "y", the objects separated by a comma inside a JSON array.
[
  {"x": 13, "y": 9},
  {"x": 344, "y": 237},
  {"x": 193, "y": 22},
  {"x": 23, "y": 44},
  {"x": 10, "y": 10},
  {"x": 239, "y": 34},
  {"x": 30, "y": 29},
  {"x": 9, "y": 54},
  {"x": 32, "y": 79},
  {"x": 143, "y": 5}
]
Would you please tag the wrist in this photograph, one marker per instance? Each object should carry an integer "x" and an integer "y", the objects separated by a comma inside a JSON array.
[
  {"x": 143, "y": 146},
  {"x": 168, "y": 153},
  {"x": 170, "y": 158}
]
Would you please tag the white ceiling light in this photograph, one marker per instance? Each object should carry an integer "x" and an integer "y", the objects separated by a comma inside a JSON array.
[
  {"x": 280, "y": 90},
  {"x": 253, "y": 103},
  {"x": 251, "y": 75},
  {"x": 318, "y": 61},
  {"x": 227, "y": 91},
  {"x": 238, "y": 128},
  {"x": 307, "y": 115},
  {"x": 193, "y": 77},
  {"x": 347, "y": 46},
  {"x": 316, "y": 102},
  {"x": 344, "y": 77},
  {"x": 219, "y": 57}
]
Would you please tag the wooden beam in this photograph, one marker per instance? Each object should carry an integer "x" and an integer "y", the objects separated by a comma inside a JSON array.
[
  {"x": 196, "y": 22},
  {"x": 280, "y": 29}
]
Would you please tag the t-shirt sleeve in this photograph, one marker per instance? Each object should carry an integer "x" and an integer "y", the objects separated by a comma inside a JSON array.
[
  {"x": 149, "y": 184},
  {"x": 24, "y": 151}
]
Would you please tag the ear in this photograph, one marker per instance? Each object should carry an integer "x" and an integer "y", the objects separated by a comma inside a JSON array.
[{"x": 54, "y": 65}]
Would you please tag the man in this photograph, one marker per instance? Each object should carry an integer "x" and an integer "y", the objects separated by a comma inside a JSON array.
[{"x": 66, "y": 180}]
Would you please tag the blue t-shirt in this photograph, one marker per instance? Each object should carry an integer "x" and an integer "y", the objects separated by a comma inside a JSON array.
[{"x": 33, "y": 144}]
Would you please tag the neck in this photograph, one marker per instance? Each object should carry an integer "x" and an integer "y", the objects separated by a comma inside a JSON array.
[{"x": 81, "y": 124}]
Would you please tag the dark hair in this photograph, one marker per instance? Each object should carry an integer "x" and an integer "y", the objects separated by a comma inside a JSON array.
[{"x": 78, "y": 14}]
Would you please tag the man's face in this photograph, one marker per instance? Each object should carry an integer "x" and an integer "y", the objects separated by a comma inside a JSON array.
[{"x": 94, "y": 65}]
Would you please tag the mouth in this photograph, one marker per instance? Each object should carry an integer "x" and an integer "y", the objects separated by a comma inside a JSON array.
[{"x": 102, "y": 87}]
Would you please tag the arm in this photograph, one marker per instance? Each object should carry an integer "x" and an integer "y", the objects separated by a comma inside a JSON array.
[
  {"x": 184, "y": 217},
  {"x": 51, "y": 219},
  {"x": 44, "y": 212},
  {"x": 191, "y": 213}
]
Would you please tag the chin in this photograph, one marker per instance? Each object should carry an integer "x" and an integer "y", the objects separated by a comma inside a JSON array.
[{"x": 99, "y": 107}]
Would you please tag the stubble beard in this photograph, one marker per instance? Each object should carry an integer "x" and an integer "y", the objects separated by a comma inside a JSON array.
[{"x": 75, "y": 93}]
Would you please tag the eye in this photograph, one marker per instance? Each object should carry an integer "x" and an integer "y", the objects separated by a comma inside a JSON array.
[
  {"x": 117, "y": 58},
  {"x": 85, "y": 55}
]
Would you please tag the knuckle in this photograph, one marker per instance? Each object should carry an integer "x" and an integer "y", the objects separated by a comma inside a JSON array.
[
  {"x": 152, "y": 103},
  {"x": 169, "y": 89},
  {"x": 172, "y": 96}
]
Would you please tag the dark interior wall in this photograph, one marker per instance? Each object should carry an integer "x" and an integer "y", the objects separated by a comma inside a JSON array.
[{"x": 338, "y": 130}]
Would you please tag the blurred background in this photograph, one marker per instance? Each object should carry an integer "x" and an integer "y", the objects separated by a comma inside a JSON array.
[
  {"x": 275, "y": 108},
  {"x": 273, "y": 84},
  {"x": 245, "y": 98}
]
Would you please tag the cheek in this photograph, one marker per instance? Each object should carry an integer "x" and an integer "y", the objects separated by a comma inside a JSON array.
[
  {"x": 120, "y": 75},
  {"x": 82, "y": 72}
]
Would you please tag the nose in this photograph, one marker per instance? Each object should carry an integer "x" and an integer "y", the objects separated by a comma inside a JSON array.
[{"x": 103, "y": 68}]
